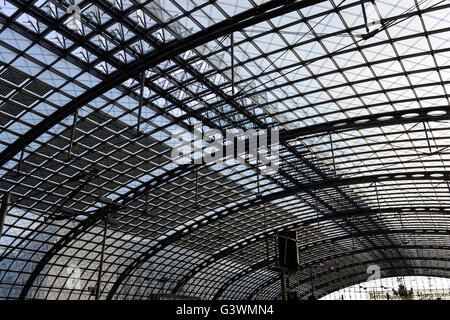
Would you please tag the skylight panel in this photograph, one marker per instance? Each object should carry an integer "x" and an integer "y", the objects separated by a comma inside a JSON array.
[
  {"x": 348, "y": 59},
  {"x": 7, "y": 8},
  {"x": 411, "y": 46},
  {"x": 14, "y": 39}
]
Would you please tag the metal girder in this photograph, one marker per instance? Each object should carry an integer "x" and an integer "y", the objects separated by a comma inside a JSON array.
[
  {"x": 376, "y": 233},
  {"x": 383, "y": 178},
  {"x": 439, "y": 113},
  {"x": 251, "y": 240},
  {"x": 264, "y": 263},
  {"x": 97, "y": 216},
  {"x": 352, "y": 276},
  {"x": 390, "y": 247},
  {"x": 358, "y": 264},
  {"x": 242, "y": 20},
  {"x": 438, "y": 175}
]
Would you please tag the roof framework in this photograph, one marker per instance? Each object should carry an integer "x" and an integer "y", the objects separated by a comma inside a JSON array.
[{"x": 89, "y": 112}]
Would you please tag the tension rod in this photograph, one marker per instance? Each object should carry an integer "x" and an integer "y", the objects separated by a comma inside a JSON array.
[
  {"x": 196, "y": 187},
  {"x": 141, "y": 102},
  {"x": 232, "y": 63},
  {"x": 317, "y": 208},
  {"x": 102, "y": 255},
  {"x": 19, "y": 166},
  {"x": 378, "y": 199},
  {"x": 72, "y": 135},
  {"x": 146, "y": 202},
  {"x": 264, "y": 214},
  {"x": 196, "y": 196},
  {"x": 332, "y": 153},
  {"x": 364, "y": 16},
  {"x": 426, "y": 134}
]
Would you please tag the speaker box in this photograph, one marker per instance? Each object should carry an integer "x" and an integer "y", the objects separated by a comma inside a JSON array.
[{"x": 288, "y": 257}]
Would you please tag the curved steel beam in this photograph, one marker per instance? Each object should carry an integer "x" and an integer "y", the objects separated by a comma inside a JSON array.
[
  {"x": 354, "y": 180},
  {"x": 358, "y": 264},
  {"x": 250, "y": 240},
  {"x": 439, "y": 113},
  {"x": 80, "y": 101},
  {"x": 97, "y": 216},
  {"x": 265, "y": 263},
  {"x": 434, "y": 175},
  {"x": 263, "y": 12},
  {"x": 377, "y": 233},
  {"x": 169, "y": 45}
]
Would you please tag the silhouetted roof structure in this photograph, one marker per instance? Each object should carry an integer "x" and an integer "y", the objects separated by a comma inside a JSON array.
[{"x": 87, "y": 110}]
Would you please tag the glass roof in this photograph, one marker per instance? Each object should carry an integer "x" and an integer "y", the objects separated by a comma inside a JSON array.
[{"x": 92, "y": 91}]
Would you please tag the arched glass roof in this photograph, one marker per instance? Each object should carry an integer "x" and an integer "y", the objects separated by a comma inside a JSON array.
[{"x": 92, "y": 91}]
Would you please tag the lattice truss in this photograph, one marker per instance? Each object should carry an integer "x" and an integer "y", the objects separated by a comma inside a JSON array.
[{"x": 88, "y": 107}]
